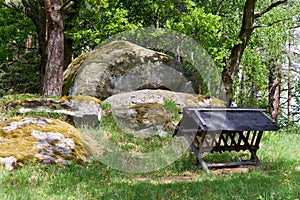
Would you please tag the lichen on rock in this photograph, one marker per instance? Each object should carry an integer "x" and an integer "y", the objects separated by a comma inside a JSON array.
[
  {"x": 70, "y": 72},
  {"x": 80, "y": 110},
  {"x": 121, "y": 66},
  {"x": 145, "y": 119},
  {"x": 160, "y": 96},
  {"x": 28, "y": 139},
  {"x": 144, "y": 111}
]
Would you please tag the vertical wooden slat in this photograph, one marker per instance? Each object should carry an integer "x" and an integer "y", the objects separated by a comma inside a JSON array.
[{"x": 253, "y": 138}]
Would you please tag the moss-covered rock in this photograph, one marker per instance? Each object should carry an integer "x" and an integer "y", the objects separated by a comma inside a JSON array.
[
  {"x": 71, "y": 71},
  {"x": 145, "y": 112},
  {"x": 81, "y": 110},
  {"x": 160, "y": 96},
  {"x": 121, "y": 66},
  {"x": 145, "y": 119},
  {"x": 38, "y": 139}
]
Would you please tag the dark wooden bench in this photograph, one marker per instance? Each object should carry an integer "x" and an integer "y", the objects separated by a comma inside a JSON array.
[{"x": 224, "y": 129}]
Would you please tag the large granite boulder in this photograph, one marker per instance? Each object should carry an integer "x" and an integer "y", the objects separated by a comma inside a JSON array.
[
  {"x": 39, "y": 139},
  {"x": 122, "y": 66},
  {"x": 80, "y": 110}
]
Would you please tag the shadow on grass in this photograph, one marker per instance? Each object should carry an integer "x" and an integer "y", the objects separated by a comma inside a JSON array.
[
  {"x": 101, "y": 182},
  {"x": 255, "y": 185}
]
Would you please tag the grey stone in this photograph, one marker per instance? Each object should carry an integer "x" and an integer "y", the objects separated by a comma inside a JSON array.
[
  {"x": 143, "y": 111},
  {"x": 81, "y": 110},
  {"x": 160, "y": 96},
  {"x": 121, "y": 66}
]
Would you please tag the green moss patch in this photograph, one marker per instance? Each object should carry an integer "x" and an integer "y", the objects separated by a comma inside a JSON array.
[
  {"x": 70, "y": 72},
  {"x": 41, "y": 139}
]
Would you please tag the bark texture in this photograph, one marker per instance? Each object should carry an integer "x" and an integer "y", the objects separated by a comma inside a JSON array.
[
  {"x": 231, "y": 67},
  {"x": 55, "y": 49},
  {"x": 46, "y": 20},
  {"x": 274, "y": 88}
]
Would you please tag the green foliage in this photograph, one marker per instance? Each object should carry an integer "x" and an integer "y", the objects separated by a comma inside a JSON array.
[
  {"x": 229, "y": 20},
  {"x": 98, "y": 21},
  {"x": 14, "y": 97},
  {"x": 19, "y": 77},
  {"x": 201, "y": 26},
  {"x": 172, "y": 107},
  {"x": 13, "y": 113},
  {"x": 251, "y": 87},
  {"x": 105, "y": 106},
  {"x": 18, "y": 65},
  {"x": 14, "y": 30}
]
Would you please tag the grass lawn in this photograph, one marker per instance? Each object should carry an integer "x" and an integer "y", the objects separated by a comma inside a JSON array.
[{"x": 280, "y": 179}]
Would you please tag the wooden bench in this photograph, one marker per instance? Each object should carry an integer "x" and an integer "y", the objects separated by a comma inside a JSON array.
[{"x": 224, "y": 129}]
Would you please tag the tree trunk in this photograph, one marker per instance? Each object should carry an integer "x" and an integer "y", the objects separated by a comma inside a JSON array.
[
  {"x": 243, "y": 95},
  {"x": 28, "y": 44},
  {"x": 290, "y": 80},
  {"x": 231, "y": 67},
  {"x": 274, "y": 88},
  {"x": 55, "y": 49},
  {"x": 35, "y": 10}
]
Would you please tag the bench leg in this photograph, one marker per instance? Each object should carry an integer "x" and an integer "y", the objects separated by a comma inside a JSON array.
[
  {"x": 255, "y": 158},
  {"x": 256, "y": 145},
  {"x": 197, "y": 154}
]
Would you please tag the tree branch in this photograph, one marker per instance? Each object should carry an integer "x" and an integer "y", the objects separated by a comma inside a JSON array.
[
  {"x": 219, "y": 6},
  {"x": 49, "y": 13},
  {"x": 286, "y": 89},
  {"x": 66, "y": 5},
  {"x": 12, "y": 6},
  {"x": 271, "y": 24},
  {"x": 293, "y": 27},
  {"x": 26, "y": 4},
  {"x": 273, "y": 5}
]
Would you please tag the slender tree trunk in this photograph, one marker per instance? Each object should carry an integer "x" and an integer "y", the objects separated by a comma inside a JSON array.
[
  {"x": 290, "y": 80},
  {"x": 28, "y": 44},
  {"x": 254, "y": 90},
  {"x": 55, "y": 49},
  {"x": 243, "y": 80},
  {"x": 231, "y": 67},
  {"x": 274, "y": 88}
]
